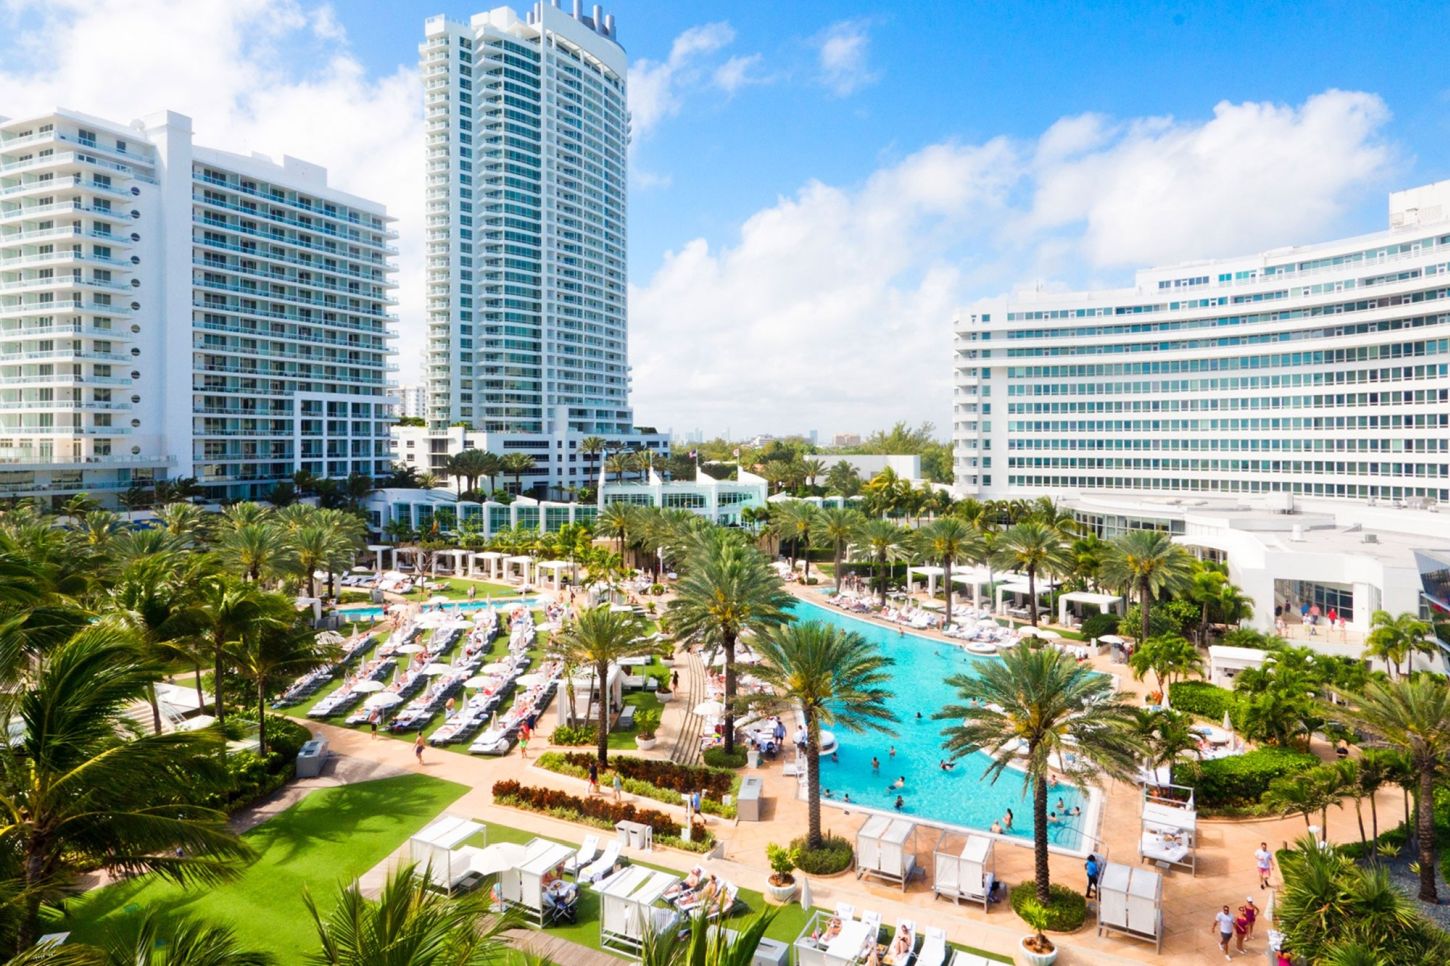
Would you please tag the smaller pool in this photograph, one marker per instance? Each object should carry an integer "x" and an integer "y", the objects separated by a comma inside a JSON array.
[{"x": 454, "y": 607}]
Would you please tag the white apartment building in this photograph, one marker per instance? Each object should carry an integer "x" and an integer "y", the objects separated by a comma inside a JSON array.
[
  {"x": 527, "y": 141},
  {"x": 169, "y": 310},
  {"x": 1317, "y": 371},
  {"x": 413, "y": 401}
]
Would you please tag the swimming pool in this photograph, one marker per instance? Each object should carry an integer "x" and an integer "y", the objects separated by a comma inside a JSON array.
[
  {"x": 957, "y": 797},
  {"x": 456, "y": 607}
]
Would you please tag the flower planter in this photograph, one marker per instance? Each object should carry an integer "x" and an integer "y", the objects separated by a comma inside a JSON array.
[
  {"x": 664, "y": 696},
  {"x": 644, "y": 744},
  {"x": 780, "y": 894},
  {"x": 1036, "y": 959}
]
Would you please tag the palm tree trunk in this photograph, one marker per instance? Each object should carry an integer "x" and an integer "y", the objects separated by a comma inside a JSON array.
[
  {"x": 838, "y": 566},
  {"x": 200, "y": 695},
  {"x": 1032, "y": 602},
  {"x": 1425, "y": 820},
  {"x": 1143, "y": 605},
  {"x": 1359, "y": 817},
  {"x": 947, "y": 572},
  {"x": 155, "y": 707},
  {"x": 601, "y": 680},
  {"x": 1203, "y": 626},
  {"x": 261, "y": 718},
  {"x": 29, "y": 925},
  {"x": 1039, "y": 837},
  {"x": 1374, "y": 818},
  {"x": 729, "y": 645},
  {"x": 216, "y": 683},
  {"x": 806, "y": 556},
  {"x": 880, "y": 581},
  {"x": 813, "y": 782}
]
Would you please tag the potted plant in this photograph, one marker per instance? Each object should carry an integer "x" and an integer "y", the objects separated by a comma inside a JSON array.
[
  {"x": 646, "y": 721},
  {"x": 781, "y": 887},
  {"x": 1037, "y": 949}
]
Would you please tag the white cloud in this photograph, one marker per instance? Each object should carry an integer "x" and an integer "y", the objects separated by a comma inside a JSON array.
[
  {"x": 656, "y": 87},
  {"x": 842, "y": 52},
  {"x": 738, "y": 72},
  {"x": 832, "y": 308},
  {"x": 274, "y": 76}
]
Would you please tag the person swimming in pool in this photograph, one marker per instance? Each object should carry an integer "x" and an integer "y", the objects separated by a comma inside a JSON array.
[
  {"x": 900, "y": 803},
  {"x": 899, "y": 783},
  {"x": 1007, "y": 819},
  {"x": 947, "y": 765},
  {"x": 875, "y": 763}
]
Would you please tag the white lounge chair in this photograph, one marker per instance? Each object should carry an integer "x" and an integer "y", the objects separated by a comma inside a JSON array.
[
  {"x": 601, "y": 866},
  {"x": 904, "y": 926},
  {"x": 934, "y": 948},
  {"x": 583, "y": 857},
  {"x": 844, "y": 910}
]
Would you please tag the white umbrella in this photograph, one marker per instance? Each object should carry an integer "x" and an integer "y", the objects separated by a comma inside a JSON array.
[
  {"x": 368, "y": 687},
  {"x": 410, "y": 649},
  {"x": 384, "y": 699},
  {"x": 709, "y": 709},
  {"x": 477, "y": 681},
  {"x": 529, "y": 680},
  {"x": 1027, "y": 630},
  {"x": 329, "y": 637},
  {"x": 1112, "y": 639},
  {"x": 494, "y": 668},
  {"x": 1048, "y": 633},
  {"x": 435, "y": 669},
  {"x": 805, "y": 894},
  {"x": 1227, "y": 724}
]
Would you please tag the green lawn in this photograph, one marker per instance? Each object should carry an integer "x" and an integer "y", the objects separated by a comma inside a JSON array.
[{"x": 332, "y": 836}]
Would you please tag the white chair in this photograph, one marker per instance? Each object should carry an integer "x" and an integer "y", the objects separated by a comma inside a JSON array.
[
  {"x": 934, "y": 949},
  {"x": 583, "y": 857},
  {"x": 844, "y": 910},
  {"x": 601, "y": 866},
  {"x": 904, "y": 927}
]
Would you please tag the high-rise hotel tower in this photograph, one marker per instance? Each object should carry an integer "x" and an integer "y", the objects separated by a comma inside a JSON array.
[
  {"x": 527, "y": 144},
  {"x": 169, "y": 310}
]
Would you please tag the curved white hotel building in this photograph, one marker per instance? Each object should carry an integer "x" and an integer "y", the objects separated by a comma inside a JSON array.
[{"x": 1287, "y": 412}]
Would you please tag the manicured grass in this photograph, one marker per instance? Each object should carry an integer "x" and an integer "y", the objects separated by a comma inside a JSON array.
[{"x": 332, "y": 836}]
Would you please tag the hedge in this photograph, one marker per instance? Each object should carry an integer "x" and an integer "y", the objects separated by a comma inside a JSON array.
[
  {"x": 600, "y": 812},
  {"x": 720, "y": 758},
  {"x": 1201, "y": 698},
  {"x": 1066, "y": 908},
  {"x": 1240, "y": 780},
  {"x": 663, "y": 781},
  {"x": 834, "y": 855}
]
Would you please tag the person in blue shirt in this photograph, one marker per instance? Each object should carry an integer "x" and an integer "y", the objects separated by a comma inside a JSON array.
[{"x": 1093, "y": 870}]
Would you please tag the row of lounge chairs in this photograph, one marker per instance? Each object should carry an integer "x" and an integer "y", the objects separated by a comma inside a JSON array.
[
  {"x": 529, "y": 704},
  {"x": 310, "y": 683}
]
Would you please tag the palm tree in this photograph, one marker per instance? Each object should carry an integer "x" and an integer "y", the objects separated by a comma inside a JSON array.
[
  {"x": 1413, "y": 716},
  {"x": 839, "y": 526},
  {"x": 470, "y": 464},
  {"x": 812, "y": 468},
  {"x": 946, "y": 540},
  {"x": 618, "y": 464},
  {"x": 793, "y": 520},
  {"x": 274, "y": 650},
  {"x": 1167, "y": 735},
  {"x": 1169, "y": 656},
  {"x": 698, "y": 943},
  {"x": 153, "y": 600},
  {"x": 409, "y": 924},
  {"x": 1148, "y": 561},
  {"x": 226, "y": 609},
  {"x": 597, "y": 638},
  {"x": 184, "y": 520},
  {"x": 616, "y": 520},
  {"x": 833, "y": 678},
  {"x": 155, "y": 940},
  {"x": 1395, "y": 639},
  {"x": 592, "y": 447},
  {"x": 256, "y": 549},
  {"x": 77, "y": 793},
  {"x": 727, "y": 588},
  {"x": 1040, "y": 700},
  {"x": 517, "y": 464},
  {"x": 1032, "y": 548},
  {"x": 885, "y": 542}
]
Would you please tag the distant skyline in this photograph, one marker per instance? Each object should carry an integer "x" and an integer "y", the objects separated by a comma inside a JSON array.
[{"x": 816, "y": 187}]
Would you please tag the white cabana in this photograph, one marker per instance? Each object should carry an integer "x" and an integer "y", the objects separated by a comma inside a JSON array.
[
  {"x": 521, "y": 563},
  {"x": 585, "y": 695},
  {"x": 1226, "y": 663},
  {"x": 975, "y": 578},
  {"x": 522, "y": 887},
  {"x": 439, "y": 852},
  {"x": 492, "y": 559},
  {"x": 628, "y": 908},
  {"x": 1169, "y": 828},
  {"x": 1018, "y": 585},
  {"x": 930, "y": 572},
  {"x": 557, "y": 570},
  {"x": 1101, "y": 601},
  {"x": 1130, "y": 901},
  {"x": 377, "y": 550},
  {"x": 449, "y": 562},
  {"x": 886, "y": 849},
  {"x": 968, "y": 874}
]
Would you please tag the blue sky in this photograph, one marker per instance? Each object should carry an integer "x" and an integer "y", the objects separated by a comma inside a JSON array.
[{"x": 816, "y": 186}]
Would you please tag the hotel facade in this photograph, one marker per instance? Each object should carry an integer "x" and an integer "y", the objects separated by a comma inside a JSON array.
[
  {"x": 527, "y": 133},
  {"x": 169, "y": 310}
]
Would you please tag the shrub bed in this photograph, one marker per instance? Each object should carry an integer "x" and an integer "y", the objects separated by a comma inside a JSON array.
[
  {"x": 1204, "y": 699},
  {"x": 575, "y": 735},
  {"x": 719, "y": 758},
  {"x": 663, "y": 781},
  {"x": 601, "y": 813},
  {"x": 834, "y": 855},
  {"x": 1238, "y": 781},
  {"x": 1066, "y": 908},
  {"x": 253, "y": 778}
]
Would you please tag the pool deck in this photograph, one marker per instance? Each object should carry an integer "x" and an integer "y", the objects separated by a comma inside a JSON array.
[{"x": 1225, "y": 855}]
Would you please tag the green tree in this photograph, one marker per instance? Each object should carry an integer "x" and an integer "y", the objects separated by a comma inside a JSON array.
[
  {"x": 257, "y": 549},
  {"x": 698, "y": 943},
  {"x": 794, "y": 521},
  {"x": 843, "y": 478},
  {"x": 1170, "y": 658},
  {"x": 839, "y": 526},
  {"x": 154, "y": 940},
  {"x": 597, "y": 638},
  {"x": 276, "y": 648},
  {"x": 1040, "y": 699},
  {"x": 885, "y": 542},
  {"x": 1413, "y": 716},
  {"x": 1032, "y": 548},
  {"x": 153, "y": 599},
  {"x": 946, "y": 541},
  {"x": 833, "y": 678},
  {"x": 592, "y": 448},
  {"x": 77, "y": 793},
  {"x": 616, "y": 520},
  {"x": 727, "y": 588},
  {"x": 1396, "y": 640},
  {"x": 1149, "y": 562},
  {"x": 226, "y": 609}
]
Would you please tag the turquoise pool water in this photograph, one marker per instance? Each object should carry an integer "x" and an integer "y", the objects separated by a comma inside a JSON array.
[
  {"x": 457, "y": 607},
  {"x": 957, "y": 797}
]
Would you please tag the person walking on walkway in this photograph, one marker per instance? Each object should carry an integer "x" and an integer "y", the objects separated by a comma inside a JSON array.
[
  {"x": 1250, "y": 914},
  {"x": 418, "y": 747},
  {"x": 1264, "y": 862},
  {"x": 1091, "y": 867},
  {"x": 618, "y": 787},
  {"x": 594, "y": 778},
  {"x": 1224, "y": 923}
]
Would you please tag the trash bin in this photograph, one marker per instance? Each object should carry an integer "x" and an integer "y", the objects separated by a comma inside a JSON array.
[
  {"x": 311, "y": 757},
  {"x": 636, "y": 835},
  {"x": 752, "y": 757},
  {"x": 747, "y": 806}
]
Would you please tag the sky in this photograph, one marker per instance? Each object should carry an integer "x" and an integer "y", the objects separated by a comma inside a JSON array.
[{"x": 816, "y": 188}]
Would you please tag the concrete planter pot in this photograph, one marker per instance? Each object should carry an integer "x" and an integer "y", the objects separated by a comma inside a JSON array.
[
  {"x": 1036, "y": 959},
  {"x": 780, "y": 894},
  {"x": 645, "y": 744}
]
